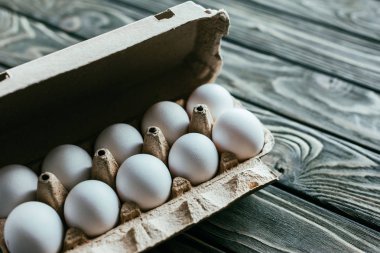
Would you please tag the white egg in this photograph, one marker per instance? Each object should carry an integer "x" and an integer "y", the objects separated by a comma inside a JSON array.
[
  {"x": 238, "y": 131},
  {"x": 194, "y": 157},
  {"x": 33, "y": 227},
  {"x": 69, "y": 163},
  {"x": 145, "y": 180},
  {"x": 217, "y": 99},
  {"x": 93, "y": 207},
  {"x": 18, "y": 184},
  {"x": 170, "y": 117},
  {"x": 122, "y": 140}
]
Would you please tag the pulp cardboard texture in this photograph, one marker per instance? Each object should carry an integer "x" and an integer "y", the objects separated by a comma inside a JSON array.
[{"x": 71, "y": 95}]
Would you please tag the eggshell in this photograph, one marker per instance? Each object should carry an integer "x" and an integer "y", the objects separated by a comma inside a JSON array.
[
  {"x": 18, "y": 184},
  {"x": 93, "y": 207},
  {"x": 217, "y": 99},
  {"x": 69, "y": 163},
  {"x": 122, "y": 140},
  {"x": 171, "y": 118},
  {"x": 238, "y": 131},
  {"x": 145, "y": 180},
  {"x": 33, "y": 227},
  {"x": 194, "y": 157}
]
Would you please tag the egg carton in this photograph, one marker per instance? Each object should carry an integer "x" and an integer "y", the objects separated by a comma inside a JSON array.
[
  {"x": 138, "y": 230},
  {"x": 189, "y": 63},
  {"x": 188, "y": 205}
]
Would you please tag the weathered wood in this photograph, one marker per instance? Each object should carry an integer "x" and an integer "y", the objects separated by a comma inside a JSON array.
[
  {"x": 297, "y": 40},
  {"x": 356, "y": 17},
  {"x": 81, "y": 17},
  {"x": 274, "y": 221},
  {"x": 185, "y": 243},
  {"x": 324, "y": 102},
  {"x": 23, "y": 40},
  {"x": 324, "y": 167}
]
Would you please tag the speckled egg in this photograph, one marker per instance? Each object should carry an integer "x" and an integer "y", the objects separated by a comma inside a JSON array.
[
  {"x": 145, "y": 180},
  {"x": 122, "y": 140},
  {"x": 18, "y": 184},
  {"x": 194, "y": 157},
  {"x": 69, "y": 163},
  {"x": 238, "y": 131},
  {"x": 33, "y": 227},
  {"x": 217, "y": 99},
  {"x": 170, "y": 117},
  {"x": 93, "y": 207}
]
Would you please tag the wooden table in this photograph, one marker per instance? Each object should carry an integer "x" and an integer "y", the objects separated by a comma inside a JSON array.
[{"x": 310, "y": 69}]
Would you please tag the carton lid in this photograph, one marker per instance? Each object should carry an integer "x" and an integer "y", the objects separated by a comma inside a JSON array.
[{"x": 72, "y": 94}]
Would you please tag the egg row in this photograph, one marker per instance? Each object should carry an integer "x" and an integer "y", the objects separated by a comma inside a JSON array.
[{"x": 93, "y": 206}]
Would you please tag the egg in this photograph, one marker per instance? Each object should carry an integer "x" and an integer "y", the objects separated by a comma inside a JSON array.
[
  {"x": 69, "y": 163},
  {"x": 18, "y": 184},
  {"x": 217, "y": 99},
  {"x": 238, "y": 131},
  {"x": 145, "y": 180},
  {"x": 170, "y": 117},
  {"x": 33, "y": 227},
  {"x": 93, "y": 207},
  {"x": 122, "y": 140},
  {"x": 194, "y": 157}
]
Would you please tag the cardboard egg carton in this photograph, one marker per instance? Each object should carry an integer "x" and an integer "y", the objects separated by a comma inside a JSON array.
[
  {"x": 188, "y": 205},
  {"x": 71, "y": 95}
]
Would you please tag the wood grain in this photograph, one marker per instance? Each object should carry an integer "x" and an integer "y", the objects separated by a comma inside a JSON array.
[
  {"x": 274, "y": 221},
  {"x": 317, "y": 47},
  {"x": 331, "y": 104},
  {"x": 23, "y": 40},
  {"x": 356, "y": 17},
  {"x": 185, "y": 243},
  {"x": 331, "y": 170},
  {"x": 85, "y": 18}
]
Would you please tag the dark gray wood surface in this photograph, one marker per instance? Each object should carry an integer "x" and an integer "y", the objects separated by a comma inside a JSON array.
[
  {"x": 357, "y": 17},
  {"x": 274, "y": 221},
  {"x": 24, "y": 39},
  {"x": 310, "y": 91}
]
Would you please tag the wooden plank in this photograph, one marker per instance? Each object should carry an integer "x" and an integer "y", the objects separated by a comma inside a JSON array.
[
  {"x": 356, "y": 17},
  {"x": 185, "y": 243},
  {"x": 294, "y": 39},
  {"x": 274, "y": 221},
  {"x": 85, "y": 18},
  {"x": 22, "y": 40},
  {"x": 326, "y": 168},
  {"x": 346, "y": 110}
]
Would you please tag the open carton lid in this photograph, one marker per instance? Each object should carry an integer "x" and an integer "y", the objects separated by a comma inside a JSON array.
[{"x": 72, "y": 94}]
